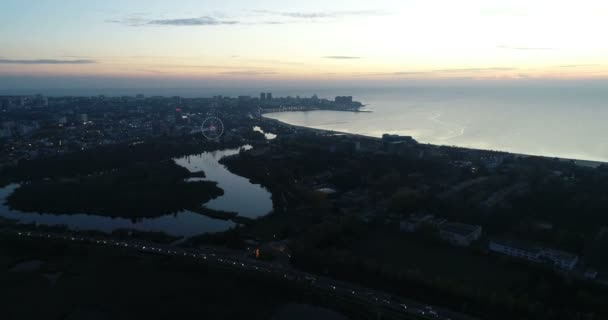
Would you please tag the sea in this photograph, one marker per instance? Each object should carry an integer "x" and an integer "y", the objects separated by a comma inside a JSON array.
[{"x": 566, "y": 121}]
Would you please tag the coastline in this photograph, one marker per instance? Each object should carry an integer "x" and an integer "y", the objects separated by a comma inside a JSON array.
[
  {"x": 353, "y": 108},
  {"x": 580, "y": 162}
]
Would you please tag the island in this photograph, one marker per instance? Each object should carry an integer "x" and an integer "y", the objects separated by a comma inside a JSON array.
[{"x": 139, "y": 190}]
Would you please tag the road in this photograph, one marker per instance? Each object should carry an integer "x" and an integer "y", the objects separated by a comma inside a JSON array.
[{"x": 351, "y": 292}]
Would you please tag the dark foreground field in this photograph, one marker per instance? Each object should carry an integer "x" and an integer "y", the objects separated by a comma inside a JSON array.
[{"x": 55, "y": 280}]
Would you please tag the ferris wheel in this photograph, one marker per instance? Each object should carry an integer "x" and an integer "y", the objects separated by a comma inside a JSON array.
[{"x": 212, "y": 128}]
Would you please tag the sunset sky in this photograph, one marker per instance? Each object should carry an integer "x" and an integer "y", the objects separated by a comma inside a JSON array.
[{"x": 277, "y": 40}]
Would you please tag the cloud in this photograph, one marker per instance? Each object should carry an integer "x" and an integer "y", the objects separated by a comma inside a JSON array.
[
  {"x": 201, "y": 21},
  {"x": 271, "y": 22},
  {"x": 152, "y": 71},
  {"x": 249, "y": 73},
  {"x": 77, "y": 57},
  {"x": 395, "y": 73},
  {"x": 321, "y": 14},
  {"x": 407, "y": 73},
  {"x": 476, "y": 69},
  {"x": 577, "y": 65},
  {"x": 211, "y": 67},
  {"x": 525, "y": 48},
  {"x": 190, "y": 22},
  {"x": 130, "y": 21},
  {"x": 434, "y": 72},
  {"x": 507, "y": 12},
  {"x": 46, "y": 61},
  {"x": 342, "y": 57},
  {"x": 273, "y": 62},
  {"x": 259, "y": 17},
  {"x": 135, "y": 21}
]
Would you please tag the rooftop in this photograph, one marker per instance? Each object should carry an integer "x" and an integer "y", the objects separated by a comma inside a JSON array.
[
  {"x": 520, "y": 245},
  {"x": 561, "y": 255},
  {"x": 459, "y": 228}
]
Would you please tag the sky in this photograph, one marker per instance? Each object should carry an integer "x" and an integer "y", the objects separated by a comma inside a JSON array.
[{"x": 50, "y": 43}]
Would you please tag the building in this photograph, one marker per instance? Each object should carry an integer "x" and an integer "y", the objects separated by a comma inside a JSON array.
[
  {"x": 387, "y": 138},
  {"x": 515, "y": 249},
  {"x": 84, "y": 117},
  {"x": 492, "y": 162},
  {"x": 396, "y": 144},
  {"x": 344, "y": 99},
  {"x": 459, "y": 233},
  {"x": 244, "y": 101},
  {"x": 415, "y": 221},
  {"x": 5, "y": 132},
  {"x": 590, "y": 274},
  {"x": 268, "y": 96},
  {"x": 263, "y": 96},
  {"x": 559, "y": 259},
  {"x": 533, "y": 253}
]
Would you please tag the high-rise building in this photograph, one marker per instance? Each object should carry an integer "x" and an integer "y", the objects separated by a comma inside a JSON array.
[
  {"x": 268, "y": 95},
  {"x": 344, "y": 99},
  {"x": 263, "y": 96}
]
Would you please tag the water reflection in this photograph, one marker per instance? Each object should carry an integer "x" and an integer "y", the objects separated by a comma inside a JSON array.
[
  {"x": 268, "y": 135},
  {"x": 184, "y": 223},
  {"x": 240, "y": 196}
]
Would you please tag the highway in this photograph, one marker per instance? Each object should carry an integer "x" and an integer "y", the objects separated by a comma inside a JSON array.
[{"x": 350, "y": 292}]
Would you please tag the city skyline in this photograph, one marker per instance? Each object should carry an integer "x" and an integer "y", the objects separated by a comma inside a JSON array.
[{"x": 271, "y": 41}]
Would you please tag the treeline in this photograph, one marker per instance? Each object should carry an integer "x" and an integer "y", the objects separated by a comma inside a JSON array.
[{"x": 105, "y": 158}]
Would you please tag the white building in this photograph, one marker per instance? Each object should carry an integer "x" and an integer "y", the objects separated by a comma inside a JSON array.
[
  {"x": 459, "y": 233},
  {"x": 559, "y": 259},
  {"x": 516, "y": 249}
]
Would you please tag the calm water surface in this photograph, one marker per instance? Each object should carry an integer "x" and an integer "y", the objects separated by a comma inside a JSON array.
[
  {"x": 268, "y": 135},
  {"x": 239, "y": 195},
  {"x": 566, "y": 122}
]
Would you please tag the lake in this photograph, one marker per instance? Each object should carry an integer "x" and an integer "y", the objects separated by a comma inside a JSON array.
[
  {"x": 249, "y": 200},
  {"x": 240, "y": 195}
]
